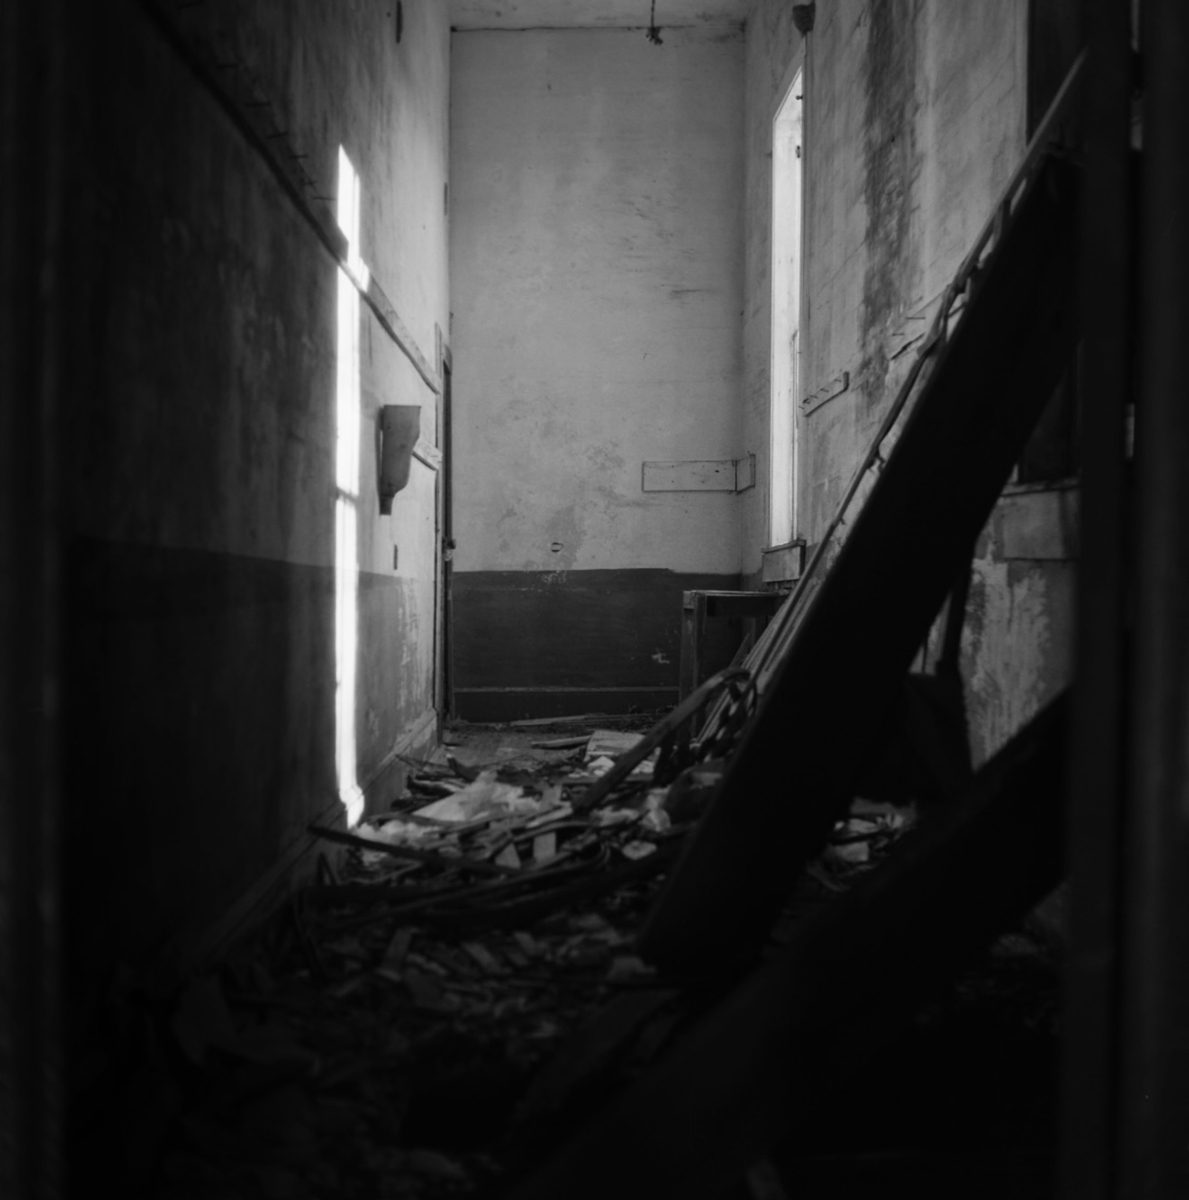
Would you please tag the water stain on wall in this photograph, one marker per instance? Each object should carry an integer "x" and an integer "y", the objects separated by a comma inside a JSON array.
[{"x": 889, "y": 151}]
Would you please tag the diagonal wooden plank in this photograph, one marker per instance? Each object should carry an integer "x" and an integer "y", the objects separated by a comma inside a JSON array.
[
  {"x": 666, "y": 727},
  {"x": 796, "y": 1029},
  {"x": 818, "y": 720}
]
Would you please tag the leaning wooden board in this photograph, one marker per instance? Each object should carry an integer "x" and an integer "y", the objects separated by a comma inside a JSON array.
[{"x": 798, "y": 761}]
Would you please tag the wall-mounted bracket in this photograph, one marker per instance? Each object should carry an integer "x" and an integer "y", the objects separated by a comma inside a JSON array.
[
  {"x": 700, "y": 475},
  {"x": 396, "y": 435},
  {"x": 745, "y": 472}
]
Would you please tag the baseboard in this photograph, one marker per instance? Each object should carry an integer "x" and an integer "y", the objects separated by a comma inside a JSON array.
[{"x": 516, "y": 704}]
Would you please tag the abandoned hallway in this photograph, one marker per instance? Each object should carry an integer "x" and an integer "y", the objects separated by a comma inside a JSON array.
[{"x": 595, "y": 599}]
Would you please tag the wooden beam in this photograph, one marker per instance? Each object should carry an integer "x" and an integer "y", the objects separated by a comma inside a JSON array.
[
  {"x": 1089, "y": 1047},
  {"x": 792, "y": 1034},
  {"x": 800, "y": 757},
  {"x": 1153, "y": 1098}
]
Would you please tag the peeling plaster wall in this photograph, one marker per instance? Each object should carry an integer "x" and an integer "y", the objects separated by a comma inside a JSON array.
[
  {"x": 202, "y": 562},
  {"x": 914, "y": 121},
  {"x": 597, "y": 278}
]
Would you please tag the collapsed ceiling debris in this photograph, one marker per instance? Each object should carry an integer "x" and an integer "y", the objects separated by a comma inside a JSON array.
[{"x": 426, "y": 1013}]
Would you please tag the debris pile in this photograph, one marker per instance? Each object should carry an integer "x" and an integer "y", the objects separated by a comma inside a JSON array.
[
  {"x": 380, "y": 1037},
  {"x": 470, "y": 850},
  {"x": 422, "y": 1011}
]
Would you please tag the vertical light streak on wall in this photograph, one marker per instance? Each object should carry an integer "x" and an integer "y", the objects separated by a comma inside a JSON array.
[
  {"x": 786, "y": 316},
  {"x": 346, "y": 532}
]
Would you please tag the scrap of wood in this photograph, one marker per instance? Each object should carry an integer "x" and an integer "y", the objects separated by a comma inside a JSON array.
[
  {"x": 663, "y": 729},
  {"x": 566, "y": 743},
  {"x": 484, "y": 957},
  {"x": 529, "y": 722},
  {"x": 398, "y": 948}
]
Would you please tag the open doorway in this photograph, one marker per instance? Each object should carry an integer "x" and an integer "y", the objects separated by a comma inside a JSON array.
[{"x": 786, "y": 314}]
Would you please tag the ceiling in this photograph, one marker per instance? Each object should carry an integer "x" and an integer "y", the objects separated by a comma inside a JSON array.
[{"x": 535, "y": 14}]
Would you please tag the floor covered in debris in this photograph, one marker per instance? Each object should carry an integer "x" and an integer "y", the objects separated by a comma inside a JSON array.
[{"x": 460, "y": 990}]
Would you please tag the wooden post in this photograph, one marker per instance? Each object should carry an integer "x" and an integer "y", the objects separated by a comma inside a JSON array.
[
  {"x": 1153, "y": 1097},
  {"x": 1096, "y": 798}
]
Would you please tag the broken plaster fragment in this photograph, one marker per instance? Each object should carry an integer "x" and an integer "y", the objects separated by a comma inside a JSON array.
[
  {"x": 628, "y": 968},
  {"x": 607, "y": 817},
  {"x": 555, "y": 812},
  {"x": 486, "y": 795},
  {"x": 656, "y": 820},
  {"x": 850, "y": 852},
  {"x": 435, "y": 1165},
  {"x": 508, "y": 856},
  {"x": 426, "y": 992},
  {"x": 599, "y": 766},
  {"x": 526, "y": 942},
  {"x": 398, "y": 948},
  {"x": 394, "y": 833},
  {"x": 637, "y": 850},
  {"x": 484, "y": 957}
]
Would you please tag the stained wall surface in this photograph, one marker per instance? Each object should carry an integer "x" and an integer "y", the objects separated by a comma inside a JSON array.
[
  {"x": 202, "y": 565},
  {"x": 914, "y": 121},
  {"x": 596, "y": 272}
]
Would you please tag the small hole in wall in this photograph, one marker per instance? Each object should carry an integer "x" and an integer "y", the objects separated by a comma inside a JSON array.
[
  {"x": 400, "y": 21},
  {"x": 557, "y": 547}
]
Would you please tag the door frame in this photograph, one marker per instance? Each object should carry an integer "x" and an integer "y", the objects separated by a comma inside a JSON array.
[{"x": 444, "y": 520}]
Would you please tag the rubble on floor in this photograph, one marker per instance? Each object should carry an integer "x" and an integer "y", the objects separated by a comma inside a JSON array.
[
  {"x": 428, "y": 1014},
  {"x": 375, "y": 1039}
]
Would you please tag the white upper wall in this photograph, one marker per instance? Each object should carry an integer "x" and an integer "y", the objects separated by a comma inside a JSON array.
[
  {"x": 596, "y": 276},
  {"x": 556, "y": 14}
]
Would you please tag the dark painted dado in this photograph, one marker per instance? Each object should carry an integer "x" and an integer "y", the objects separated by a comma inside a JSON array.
[
  {"x": 551, "y": 643},
  {"x": 200, "y": 735}
]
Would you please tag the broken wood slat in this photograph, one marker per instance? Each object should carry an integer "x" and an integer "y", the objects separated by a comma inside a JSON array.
[
  {"x": 565, "y": 743},
  {"x": 429, "y": 857},
  {"x": 818, "y": 722},
  {"x": 663, "y": 729},
  {"x": 791, "y": 1036},
  {"x": 474, "y": 910}
]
